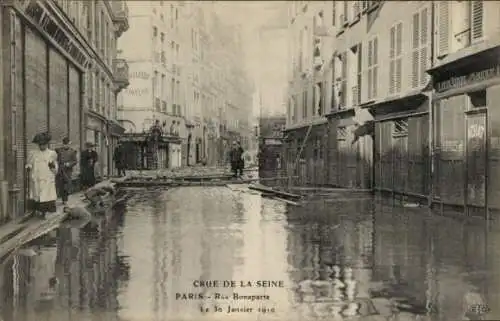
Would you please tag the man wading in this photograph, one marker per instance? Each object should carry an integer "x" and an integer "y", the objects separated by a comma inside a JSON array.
[
  {"x": 42, "y": 170},
  {"x": 66, "y": 159}
]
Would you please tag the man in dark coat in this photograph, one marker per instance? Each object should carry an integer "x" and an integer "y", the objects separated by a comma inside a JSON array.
[
  {"x": 88, "y": 159},
  {"x": 66, "y": 159},
  {"x": 119, "y": 159},
  {"x": 235, "y": 158}
]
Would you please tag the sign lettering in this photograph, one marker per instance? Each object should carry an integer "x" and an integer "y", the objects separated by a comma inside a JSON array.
[
  {"x": 43, "y": 19},
  {"x": 462, "y": 81}
]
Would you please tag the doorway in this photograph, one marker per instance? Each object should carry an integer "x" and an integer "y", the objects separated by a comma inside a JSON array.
[{"x": 476, "y": 158}]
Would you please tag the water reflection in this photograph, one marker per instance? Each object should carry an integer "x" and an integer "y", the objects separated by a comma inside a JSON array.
[{"x": 338, "y": 260}]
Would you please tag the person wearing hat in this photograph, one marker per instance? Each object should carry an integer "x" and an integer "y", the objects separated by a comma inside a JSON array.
[
  {"x": 66, "y": 158},
  {"x": 42, "y": 169},
  {"x": 235, "y": 159},
  {"x": 88, "y": 159}
]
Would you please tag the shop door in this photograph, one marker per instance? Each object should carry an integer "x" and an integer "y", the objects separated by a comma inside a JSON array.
[{"x": 476, "y": 159}]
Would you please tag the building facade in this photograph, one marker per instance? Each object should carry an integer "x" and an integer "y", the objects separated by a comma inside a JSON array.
[
  {"x": 186, "y": 82},
  {"x": 389, "y": 86},
  {"x": 155, "y": 49},
  {"x": 51, "y": 50}
]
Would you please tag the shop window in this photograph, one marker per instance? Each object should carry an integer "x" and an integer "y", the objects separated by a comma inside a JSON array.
[
  {"x": 400, "y": 128},
  {"x": 477, "y": 99},
  {"x": 341, "y": 133}
]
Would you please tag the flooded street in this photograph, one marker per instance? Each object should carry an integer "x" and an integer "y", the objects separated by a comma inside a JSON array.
[{"x": 172, "y": 255}]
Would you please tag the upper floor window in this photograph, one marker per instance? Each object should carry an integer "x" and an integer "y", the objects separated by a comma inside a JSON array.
[
  {"x": 395, "y": 58},
  {"x": 420, "y": 47},
  {"x": 372, "y": 73}
]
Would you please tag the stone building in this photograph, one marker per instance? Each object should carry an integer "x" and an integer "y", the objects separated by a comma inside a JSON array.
[
  {"x": 60, "y": 75},
  {"x": 396, "y": 102}
]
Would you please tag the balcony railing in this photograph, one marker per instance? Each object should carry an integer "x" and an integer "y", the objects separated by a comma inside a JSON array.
[
  {"x": 120, "y": 16},
  {"x": 120, "y": 73}
]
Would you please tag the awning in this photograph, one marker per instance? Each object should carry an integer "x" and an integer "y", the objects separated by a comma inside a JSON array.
[{"x": 115, "y": 129}]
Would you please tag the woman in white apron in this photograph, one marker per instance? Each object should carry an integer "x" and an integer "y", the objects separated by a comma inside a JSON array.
[{"x": 42, "y": 170}]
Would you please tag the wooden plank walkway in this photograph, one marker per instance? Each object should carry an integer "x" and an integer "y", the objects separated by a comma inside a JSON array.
[
  {"x": 186, "y": 183},
  {"x": 14, "y": 234}
]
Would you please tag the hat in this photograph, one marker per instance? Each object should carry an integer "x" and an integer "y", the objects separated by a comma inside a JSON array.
[
  {"x": 89, "y": 145},
  {"x": 41, "y": 139}
]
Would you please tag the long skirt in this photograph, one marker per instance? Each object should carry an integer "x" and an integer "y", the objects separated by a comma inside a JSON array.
[{"x": 42, "y": 207}]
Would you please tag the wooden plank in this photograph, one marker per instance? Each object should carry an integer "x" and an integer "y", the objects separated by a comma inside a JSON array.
[{"x": 274, "y": 192}]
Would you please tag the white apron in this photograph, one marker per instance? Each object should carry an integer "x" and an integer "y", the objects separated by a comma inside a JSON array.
[{"x": 43, "y": 179}]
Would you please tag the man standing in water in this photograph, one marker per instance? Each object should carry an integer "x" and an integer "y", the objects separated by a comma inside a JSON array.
[
  {"x": 119, "y": 158},
  {"x": 88, "y": 159},
  {"x": 66, "y": 159},
  {"x": 42, "y": 169},
  {"x": 235, "y": 158}
]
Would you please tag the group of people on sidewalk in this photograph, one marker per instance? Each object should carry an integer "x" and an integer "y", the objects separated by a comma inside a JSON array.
[{"x": 50, "y": 172}]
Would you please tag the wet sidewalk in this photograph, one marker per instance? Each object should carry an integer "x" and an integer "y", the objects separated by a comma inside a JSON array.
[{"x": 172, "y": 254}]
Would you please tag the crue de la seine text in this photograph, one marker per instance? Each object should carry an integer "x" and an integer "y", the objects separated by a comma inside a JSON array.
[{"x": 238, "y": 284}]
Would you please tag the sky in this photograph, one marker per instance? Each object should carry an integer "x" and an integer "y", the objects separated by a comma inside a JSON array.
[{"x": 253, "y": 16}]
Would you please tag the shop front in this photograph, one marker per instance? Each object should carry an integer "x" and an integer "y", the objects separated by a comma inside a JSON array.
[
  {"x": 466, "y": 132},
  {"x": 97, "y": 134},
  {"x": 348, "y": 156},
  {"x": 401, "y": 159},
  {"x": 115, "y": 131},
  {"x": 45, "y": 62}
]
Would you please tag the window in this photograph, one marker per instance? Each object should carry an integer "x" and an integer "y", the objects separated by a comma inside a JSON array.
[
  {"x": 304, "y": 104},
  {"x": 334, "y": 13},
  {"x": 355, "y": 74},
  {"x": 340, "y": 80},
  {"x": 155, "y": 32},
  {"x": 163, "y": 87},
  {"x": 478, "y": 99},
  {"x": 172, "y": 94},
  {"x": 400, "y": 127},
  {"x": 395, "y": 58},
  {"x": 476, "y": 20},
  {"x": 178, "y": 95},
  {"x": 372, "y": 68},
  {"x": 341, "y": 133},
  {"x": 420, "y": 48},
  {"x": 155, "y": 84}
]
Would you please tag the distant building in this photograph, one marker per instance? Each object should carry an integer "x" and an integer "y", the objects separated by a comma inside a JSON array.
[{"x": 192, "y": 78}]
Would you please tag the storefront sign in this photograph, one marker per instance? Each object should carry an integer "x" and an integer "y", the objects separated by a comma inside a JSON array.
[
  {"x": 462, "y": 81},
  {"x": 476, "y": 131},
  {"x": 42, "y": 18}
]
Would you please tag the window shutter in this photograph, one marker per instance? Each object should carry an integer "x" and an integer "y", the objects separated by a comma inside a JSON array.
[
  {"x": 399, "y": 39},
  {"x": 415, "y": 51},
  {"x": 398, "y": 66},
  {"x": 477, "y": 20},
  {"x": 423, "y": 66},
  {"x": 392, "y": 50},
  {"x": 392, "y": 74},
  {"x": 424, "y": 27},
  {"x": 443, "y": 28},
  {"x": 375, "y": 51},
  {"x": 416, "y": 31},
  {"x": 374, "y": 81}
]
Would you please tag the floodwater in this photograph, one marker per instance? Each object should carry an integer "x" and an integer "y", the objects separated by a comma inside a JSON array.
[{"x": 337, "y": 260}]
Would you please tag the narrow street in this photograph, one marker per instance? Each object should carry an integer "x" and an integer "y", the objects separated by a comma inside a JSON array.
[{"x": 155, "y": 258}]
